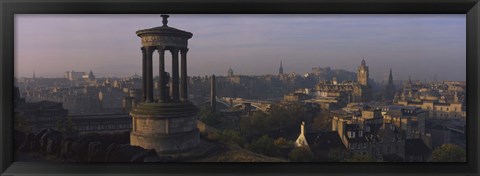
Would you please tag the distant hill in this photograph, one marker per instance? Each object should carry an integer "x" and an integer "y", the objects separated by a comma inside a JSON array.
[{"x": 326, "y": 73}]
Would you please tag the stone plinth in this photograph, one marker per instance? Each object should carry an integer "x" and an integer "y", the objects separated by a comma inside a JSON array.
[{"x": 165, "y": 127}]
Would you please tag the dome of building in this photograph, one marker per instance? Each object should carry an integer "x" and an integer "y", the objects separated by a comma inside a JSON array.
[{"x": 165, "y": 30}]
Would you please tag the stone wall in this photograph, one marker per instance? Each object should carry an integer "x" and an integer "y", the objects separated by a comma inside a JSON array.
[{"x": 49, "y": 142}]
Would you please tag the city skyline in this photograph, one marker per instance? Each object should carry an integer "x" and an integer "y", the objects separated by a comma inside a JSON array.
[{"x": 51, "y": 45}]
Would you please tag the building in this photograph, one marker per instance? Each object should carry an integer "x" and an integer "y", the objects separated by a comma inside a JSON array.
[
  {"x": 73, "y": 75},
  {"x": 41, "y": 115},
  {"x": 408, "y": 118},
  {"x": 301, "y": 140},
  {"x": 382, "y": 132},
  {"x": 320, "y": 143},
  {"x": 359, "y": 91},
  {"x": 438, "y": 106}
]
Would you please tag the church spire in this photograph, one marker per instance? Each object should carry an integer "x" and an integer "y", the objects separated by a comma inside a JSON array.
[
  {"x": 230, "y": 72},
  {"x": 390, "y": 77},
  {"x": 280, "y": 70}
]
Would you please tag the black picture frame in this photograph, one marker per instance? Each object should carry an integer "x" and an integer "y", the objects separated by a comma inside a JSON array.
[{"x": 8, "y": 8}]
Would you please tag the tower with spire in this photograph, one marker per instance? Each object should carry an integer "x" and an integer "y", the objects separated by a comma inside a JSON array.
[
  {"x": 408, "y": 88},
  {"x": 362, "y": 75},
  {"x": 230, "y": 72},
  {"x": 390, "y": 87},
  {"x": 390, "y": 77},
  {"x": 91, "y": 76},
  {"x": 280, "y": 70},
  {"x": 362, "y": 92}
]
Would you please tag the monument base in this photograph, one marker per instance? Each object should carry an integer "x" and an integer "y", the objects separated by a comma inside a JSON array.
[{"x": 165, "y": 127}]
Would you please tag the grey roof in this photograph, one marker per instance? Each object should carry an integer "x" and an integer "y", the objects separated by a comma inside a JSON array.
[{"x": 324, "y": 140}]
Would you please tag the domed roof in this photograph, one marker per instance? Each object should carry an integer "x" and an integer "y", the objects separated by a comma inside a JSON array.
[{"x": 165, "y": 30}]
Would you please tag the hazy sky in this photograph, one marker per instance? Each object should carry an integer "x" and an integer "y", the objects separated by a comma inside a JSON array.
[{"x": 416, "y": 45}]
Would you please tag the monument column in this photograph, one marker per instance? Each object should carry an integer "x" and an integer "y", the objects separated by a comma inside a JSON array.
[
  {"x": 174, "y": 86},
  {"x": 149, "y": 53},
  {"x": 161, "y": 75},
  {"x": 183, "y": 82},
  {"x": 144, "y": 74}
]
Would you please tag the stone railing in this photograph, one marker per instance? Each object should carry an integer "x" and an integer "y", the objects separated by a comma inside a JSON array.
[{"x": 64, "y": 148}]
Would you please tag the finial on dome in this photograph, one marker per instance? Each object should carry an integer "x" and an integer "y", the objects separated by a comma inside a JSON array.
[{"x": 165, "y": 20}]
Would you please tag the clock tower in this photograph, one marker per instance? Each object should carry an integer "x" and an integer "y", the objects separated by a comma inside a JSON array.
[{"x": 362, "y": 75}]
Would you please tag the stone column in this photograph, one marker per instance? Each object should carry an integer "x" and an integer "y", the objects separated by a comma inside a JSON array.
[
  {"x": 144, "y": 74},
  {"x": 183, "y": 81},
  {"x": 174, "y": 86},
  {"x": 149, "y": 52},
  {"x": 161, "y": 75}
]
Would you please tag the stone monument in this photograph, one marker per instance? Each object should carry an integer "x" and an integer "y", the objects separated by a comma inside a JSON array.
[{"x": 167, "y": 124}]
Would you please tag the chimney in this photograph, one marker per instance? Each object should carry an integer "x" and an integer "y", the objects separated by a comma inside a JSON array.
[{"x": 302, "y": 128}]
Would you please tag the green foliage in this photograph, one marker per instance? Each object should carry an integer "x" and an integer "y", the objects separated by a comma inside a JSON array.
[
  {"x": 210, "y": 118},
  {"x": 22, "y": 123},
  {"x": 66, "y": 127},
  {"x": 265, "y": 145},
  {"x": 233, "y": 136},
  {"x": 280, "y": 116},
  {"x": 323, "y": 121},
  {"x": 213, "y": 136},
  {"x": 258, "y": 122},
  {"x": 449, "y": 153},
  {"x": 226, "y": 136},
  {"x": 283, "y": 143},
  {"x": 286, "y": 115},
  {"x": 300, "y": 154},
  {"x": 69, "y": 128}
]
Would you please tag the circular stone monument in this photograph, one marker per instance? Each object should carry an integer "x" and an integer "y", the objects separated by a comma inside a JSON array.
[{"x": 168, "y": 123}]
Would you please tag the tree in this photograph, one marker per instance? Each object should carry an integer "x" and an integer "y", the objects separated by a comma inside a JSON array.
[
  {"x": 69, "y": 128},
  {"x": 210, "y": 118},
  {"x": 449, "y": 153},
  {"x": 264, "y": 145},
  {"x": 66, "y": 127},
  {"x": 283, "y": 143},
  {"x": 301, "y": 154},
  {"x": 229, "y": 135},
  {"x": 59, "y": 124},
  {"x": 213, "y": 136},
  {"x": 22, "y": 123},
  {"x": 323, "y": 121},
  {"x": 258, "y": 122}
]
